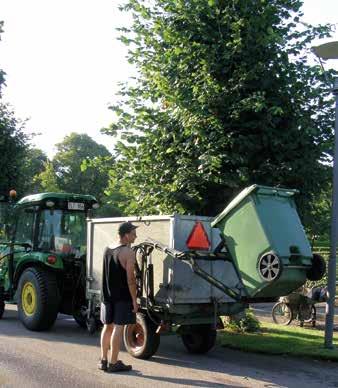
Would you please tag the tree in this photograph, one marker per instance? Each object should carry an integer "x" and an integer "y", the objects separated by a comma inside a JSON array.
[
  {"x": 19, "y": 161},
  {"x": 46, "y": 180},
  {"x": 34, "y": 165},
  {"x": 2, "y": 73},
  {"x": 224, "y": 98},
  {"x": 67, "y": 162},
  {"x": 13, "y": 145}
]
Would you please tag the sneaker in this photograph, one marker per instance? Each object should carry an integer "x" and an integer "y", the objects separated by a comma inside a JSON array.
[
  {"x": 103, "y": 365},
  {"x": 119, "y": 366}
]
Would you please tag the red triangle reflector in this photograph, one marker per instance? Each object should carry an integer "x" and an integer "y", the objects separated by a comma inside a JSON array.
[{"x": 198, "y": 238}]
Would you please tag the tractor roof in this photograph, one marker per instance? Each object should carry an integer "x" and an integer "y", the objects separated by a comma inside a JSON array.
[{"x": 36, "y": 198}]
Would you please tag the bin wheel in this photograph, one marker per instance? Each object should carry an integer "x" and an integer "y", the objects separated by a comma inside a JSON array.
[
  {"x": 318, "y": 268},
  {"x": 199, "y": 339},
  {"x": 282, "y": 313},
  {"x": 270, "y": 266},
  {"x": 140, "y": 339},
  {"x": 2, "y": 308}
]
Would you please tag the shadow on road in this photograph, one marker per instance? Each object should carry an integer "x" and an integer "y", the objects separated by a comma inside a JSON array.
[
  {"x": 214, "y": 369},
  {"x": 65, "y": 329}
]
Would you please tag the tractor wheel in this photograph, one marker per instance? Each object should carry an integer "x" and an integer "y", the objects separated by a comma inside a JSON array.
[
  {"x": 199, "y": 339},
  {"x": 141, "y": 339},
  {"x": 2, "y": 308},
  {"x": 318, "y": 268},
  {"x": 38, "y": 299},
  {"x": 282, "y": 314}
]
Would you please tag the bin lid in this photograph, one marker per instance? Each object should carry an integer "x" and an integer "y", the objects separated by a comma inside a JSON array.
[{"x": 266, "y": 190}]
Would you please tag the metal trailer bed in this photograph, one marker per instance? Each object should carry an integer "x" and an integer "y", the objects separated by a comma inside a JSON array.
[{"x": 185, "y": 279}]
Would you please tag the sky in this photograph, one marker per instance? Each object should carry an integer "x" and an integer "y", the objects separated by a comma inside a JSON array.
[{"x": 64, "y": 62}]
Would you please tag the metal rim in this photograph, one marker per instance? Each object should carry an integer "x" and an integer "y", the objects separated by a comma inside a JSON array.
[
  {"x": 28, "y": 297},
  {"x": 269, "y": 266},
  {"x": 282, "y": 313},
  {"x": 135, "y": 336}
]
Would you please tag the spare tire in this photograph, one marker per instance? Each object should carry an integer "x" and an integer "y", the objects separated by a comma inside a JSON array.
[{"x": 318, "y": 268}]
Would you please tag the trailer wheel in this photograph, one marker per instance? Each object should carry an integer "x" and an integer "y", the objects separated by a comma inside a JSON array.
[
  {"x": 199, "y": 339},
  {"x": 38, "y": 299},
  {"x": 141, "y": 339},
  {"x": 318, "y": 268},
  {"x": 2, "y": 308}
]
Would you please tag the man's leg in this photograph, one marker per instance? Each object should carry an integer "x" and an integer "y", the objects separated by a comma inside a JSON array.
[
  {"x": 115, "y": 343},
  {"x": 106, "y": 335}
]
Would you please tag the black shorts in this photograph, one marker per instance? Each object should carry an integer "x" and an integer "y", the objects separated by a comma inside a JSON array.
[{"x": 120, "y": 313}]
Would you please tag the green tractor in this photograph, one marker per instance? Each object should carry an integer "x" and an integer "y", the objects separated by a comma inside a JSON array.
[{"x": 43, "y": 257}]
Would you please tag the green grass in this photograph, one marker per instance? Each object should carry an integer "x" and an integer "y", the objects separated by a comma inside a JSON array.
[{"x": 276, "y": 339}]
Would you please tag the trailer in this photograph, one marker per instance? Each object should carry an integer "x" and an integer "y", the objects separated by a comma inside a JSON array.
[
  {"x": 183, "y": 280},
  {"x": 191, "y": 270}
]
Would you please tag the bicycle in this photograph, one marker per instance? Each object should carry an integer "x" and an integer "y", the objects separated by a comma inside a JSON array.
[{"x": 294, "y": 306}]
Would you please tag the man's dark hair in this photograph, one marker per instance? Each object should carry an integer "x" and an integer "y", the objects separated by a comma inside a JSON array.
[{"x": 125, "y": 228}]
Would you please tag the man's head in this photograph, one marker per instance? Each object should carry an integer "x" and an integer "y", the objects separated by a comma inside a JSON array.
[{"x": 127, "y": 232}]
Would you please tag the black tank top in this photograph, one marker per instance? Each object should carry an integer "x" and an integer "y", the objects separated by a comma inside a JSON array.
[{"x": 114, "y": 278}]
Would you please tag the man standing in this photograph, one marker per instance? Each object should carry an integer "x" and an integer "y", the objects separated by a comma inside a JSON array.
[{"x": 119, "y": 305}]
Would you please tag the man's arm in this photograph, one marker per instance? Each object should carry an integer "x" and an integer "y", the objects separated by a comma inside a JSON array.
[
  {"x": 104, "y": 288},
  {"x": 130, "y": 269}
]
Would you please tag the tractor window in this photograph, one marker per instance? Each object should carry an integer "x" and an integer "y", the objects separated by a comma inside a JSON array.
[
  {"x": 62, "y": 231},
  {"x": 25, "y": 225}
]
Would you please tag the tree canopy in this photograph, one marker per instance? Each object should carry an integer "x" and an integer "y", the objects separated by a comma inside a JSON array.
[
  {"x": 68, "y": 165},
  {"x": 13, "y": 145},
  {"x": 224, "y": 98}
]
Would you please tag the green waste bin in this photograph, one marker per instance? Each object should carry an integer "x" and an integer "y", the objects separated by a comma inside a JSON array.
[{"x": 266, "y": 241}]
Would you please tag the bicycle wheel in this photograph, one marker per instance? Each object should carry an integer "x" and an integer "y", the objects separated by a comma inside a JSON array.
[
  {"x": 282, "y": 313},
  {"x": 308, "y": 313}
]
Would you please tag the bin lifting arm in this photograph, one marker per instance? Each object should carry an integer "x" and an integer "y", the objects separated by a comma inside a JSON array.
[{"x": 189, "y": 257}]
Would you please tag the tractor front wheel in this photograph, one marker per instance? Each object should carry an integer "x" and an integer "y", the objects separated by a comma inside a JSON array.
[{"x": 38, "y": 299}]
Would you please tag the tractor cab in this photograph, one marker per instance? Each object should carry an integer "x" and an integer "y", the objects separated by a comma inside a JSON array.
[{"x": 53, "y": 223}]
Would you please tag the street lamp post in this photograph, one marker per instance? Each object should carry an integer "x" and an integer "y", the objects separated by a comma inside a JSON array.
[{"x": 330, "y": 51}]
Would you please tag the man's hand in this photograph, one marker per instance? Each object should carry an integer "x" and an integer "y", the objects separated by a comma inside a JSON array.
[{"x": 135, "y": 306}]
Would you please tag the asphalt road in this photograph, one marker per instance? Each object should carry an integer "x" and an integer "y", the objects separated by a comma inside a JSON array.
[{"x": 66, "y": 356}]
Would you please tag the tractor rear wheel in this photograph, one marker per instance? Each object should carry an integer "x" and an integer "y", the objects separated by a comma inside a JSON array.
[
  {"x": 38, "y": 299},
  {"x": 141, "y": 339},
  {"x": 199, "y": 339}
]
